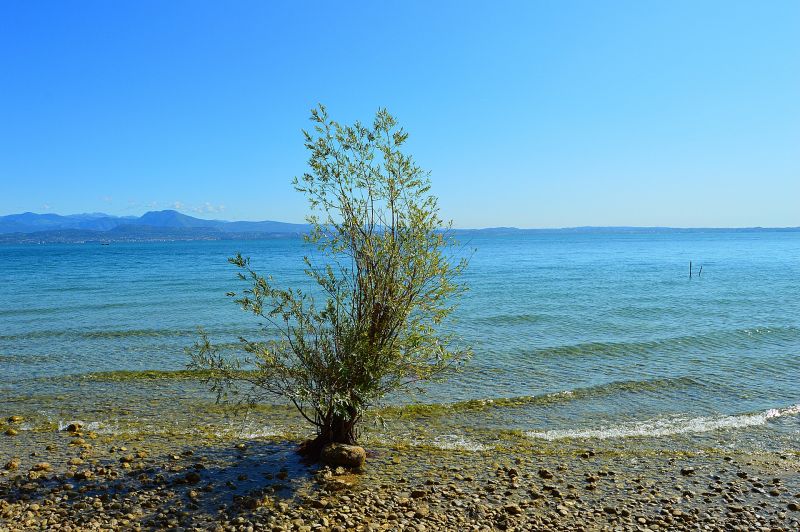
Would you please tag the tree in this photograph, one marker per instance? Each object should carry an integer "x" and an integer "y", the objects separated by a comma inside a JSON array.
[{"x": 386, "y": 268}]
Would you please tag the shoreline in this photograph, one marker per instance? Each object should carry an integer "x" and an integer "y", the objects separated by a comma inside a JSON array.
[{"x": 78, "y": 480}]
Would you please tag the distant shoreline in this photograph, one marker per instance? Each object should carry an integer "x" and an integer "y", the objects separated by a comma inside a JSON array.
[
  {"x": 170, "y": 225},
  {"x": 144, "y": 234}
]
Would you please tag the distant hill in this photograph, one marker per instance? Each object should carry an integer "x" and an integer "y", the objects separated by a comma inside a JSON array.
[
  {"x": 29, "y": 222},
  {"x": 169, "y": 225},
  {"x": 153, "y": 225},
  {"x": 624, "y": 230}
]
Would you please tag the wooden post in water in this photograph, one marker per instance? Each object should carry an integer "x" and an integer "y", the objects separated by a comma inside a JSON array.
[{"x": 690, "y": 269}]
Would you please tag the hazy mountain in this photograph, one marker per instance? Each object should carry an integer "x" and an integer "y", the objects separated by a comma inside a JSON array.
[
  {"x": 169, "y": 225},
  {"x": 29, "y": 222},
  {"x": 173, "y": 219},
  {"x": 32, "y": 223}
]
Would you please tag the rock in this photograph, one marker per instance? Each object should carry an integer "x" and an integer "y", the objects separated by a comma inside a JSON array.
[
  {"x": 192, "y": 477},
  {"x": 320, "y": 503},
  {"x": 16, "y": 419},
  {"x": 84, "y": 475},
  {"x": 74, "y": 427},
  {"x": 512, "y": 509},
  {"x": 12, "y": 464},
  {"x": 41, "y": 466},
  {"x": 544, "y": 473},
  {"x": 339, "y": 454},
  {"x": 687, "y": 471},
  {"x": 418, "y": 494},
  {"x": 793, "y": 506},
  {"x": 344, "y": 482},
  {"x": 251, "y": 503},
  {"x": 11, "y": 432}
]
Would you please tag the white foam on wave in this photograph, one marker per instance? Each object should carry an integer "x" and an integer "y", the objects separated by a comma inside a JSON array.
[
  {"x": 668, "y": 427},
  {"x": 248, "y": 431},
  {"x": 453, "y": 442},
  {"x": 94, "y": 426}
]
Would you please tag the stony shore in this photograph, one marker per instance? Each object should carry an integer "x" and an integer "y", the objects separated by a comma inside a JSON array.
[{"x": 78, "y": 480}]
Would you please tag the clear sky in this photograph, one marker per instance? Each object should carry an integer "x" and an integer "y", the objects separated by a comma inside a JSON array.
[{"x": 531, "y": 114}]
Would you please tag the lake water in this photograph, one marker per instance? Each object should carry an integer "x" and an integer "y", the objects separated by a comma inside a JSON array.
[{"x": 598, "y": 337}]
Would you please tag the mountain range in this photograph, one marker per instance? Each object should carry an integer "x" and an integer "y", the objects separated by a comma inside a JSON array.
[
  {"x": 169, "y": 225},
  {"x": 153, "y": 225}
]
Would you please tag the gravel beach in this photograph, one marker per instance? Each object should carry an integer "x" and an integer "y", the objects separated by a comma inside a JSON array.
[{"x": 78, "y": 480}]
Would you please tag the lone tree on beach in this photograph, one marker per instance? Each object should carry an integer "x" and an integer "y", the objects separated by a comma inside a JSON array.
[{"x": 387, "y": 272}]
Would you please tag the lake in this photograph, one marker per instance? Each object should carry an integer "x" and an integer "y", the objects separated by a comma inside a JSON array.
[{"x": 577, "y": 337}]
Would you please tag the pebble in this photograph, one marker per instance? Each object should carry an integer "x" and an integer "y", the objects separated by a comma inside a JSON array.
[
  {"x": 417, "y": 492},
  {"x": 545, "y": 474}
]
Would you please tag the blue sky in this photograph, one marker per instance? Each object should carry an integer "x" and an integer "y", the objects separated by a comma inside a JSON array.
[{"x": 532, "y": 114}]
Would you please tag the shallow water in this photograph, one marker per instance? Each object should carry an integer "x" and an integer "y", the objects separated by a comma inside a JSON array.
[{"x": 577, "y": 337}]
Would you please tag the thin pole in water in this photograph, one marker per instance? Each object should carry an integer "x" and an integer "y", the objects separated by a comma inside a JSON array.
[{"x": 690, "y": 269}]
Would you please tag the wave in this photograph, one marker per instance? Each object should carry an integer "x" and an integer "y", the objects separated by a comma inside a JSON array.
[
  {"x": 94, "y": 426},
  {"x": 249, "y": 431},
  {"x": 477, "y": 405},
  {"x": 118, "y": 333},
  {"x": 147, "y": 375},
  {"x": 38, "y": 311},
  {"x": 717, "y": 339},
  {"x": 668, "y": 427},
  {"x": 130, "y": 333},
  {"x": 22, "y": 358},
  {"x": 511, "y": 319},
  {"x": 453, "y": 442}
]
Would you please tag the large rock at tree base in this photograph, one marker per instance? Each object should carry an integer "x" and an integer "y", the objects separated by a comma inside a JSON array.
[{"x": 339, "y": 454}]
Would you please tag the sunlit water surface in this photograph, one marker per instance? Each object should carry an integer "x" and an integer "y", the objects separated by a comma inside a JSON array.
[{"x": 577, "y": 337}]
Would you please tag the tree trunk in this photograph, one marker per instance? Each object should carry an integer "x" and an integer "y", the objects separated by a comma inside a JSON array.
[{"x": 340, "y": 429}]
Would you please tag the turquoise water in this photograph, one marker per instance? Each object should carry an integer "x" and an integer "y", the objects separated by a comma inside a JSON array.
[{"x": 596, "y": 336}]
